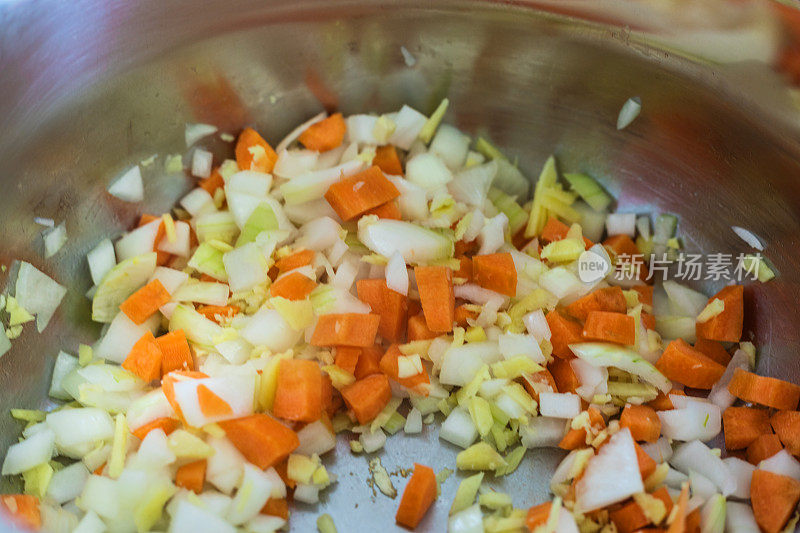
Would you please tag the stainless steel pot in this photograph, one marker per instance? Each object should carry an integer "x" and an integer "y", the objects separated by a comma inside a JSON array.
[{"x": 90, "y": 87}]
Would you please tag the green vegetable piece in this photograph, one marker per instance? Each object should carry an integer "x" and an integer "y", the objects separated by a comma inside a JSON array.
[
  {"x": 590, "y": 190},
  {"x": 262, "y": 219},
  {"x": 207, "y": 259},
  {"x": 466, "y": 492}
]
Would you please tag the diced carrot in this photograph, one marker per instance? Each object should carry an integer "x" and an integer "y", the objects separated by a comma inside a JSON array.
[
  {"x": 543, "y": 377},
  {"x": 764, "y": 390},
  {"x": 645, "y": 294},
  {"x": 678, "y": 524},
  {"x": 610, "y": 327},
  {"x": 331, "y": 401},
  {"x": 663, "y": 402},
  {"x": 713, "y": 350},
  {"x": 325, "y": 135},
  {"x": 563, "y": 375},
  {"x": 765, "y": 446},
  {"x": 465, "y": 268},
  {"x": 648, "y": 320},
  {"x": 167, "y": 425},
  {"x": 608, "y": 299},
  {"x": 682, "y": 363},
  {"x": 622, "y": 245},
  {"x": 282, "y": 468},
  {"x": 254, "y": 153},
  {"x": 389, "y": 210},
  {"x": 212, "y": 182},
  {"x": 538, "y": 515},
  {"x": 143, "y": 303},
  {"x": 390, "y": 305},
  {"x": 462, "y": 314},
  {"x": 576, "y": 438},
  {"x": 564, "y": 330},
  {"x": 213, "y": 312},
  {"x": 495, "y": 272},
  {"x": 435, "y": 284},
  {"x": 346, "y": 358},
  {"x": 787, "y": 426},
  {"x": 418, "y": 328},
  {"x": 726, "y": 326},
  {"x": 368, "y": 362},
  {"x": 298, "y": 395},
  {"x": 629, "y": 518},
  {"x": 144, "y": 359},
  {"x": 295, "y": 260},
  {"x": 463, "y": 248},
  {"x": 774, "y": 498},
  {"x": 361, "y": 192},
  {"x": 627, "y": 252},
  {"x": 23, "y": 509},
  {"x": 175, "y": 351},
  {"x": 418, "y": 496},
  {"x": 555, "y": 230},
  {"x": 212, "y": 405},
  {"x": 693, "y": 521},
  {"x": 191, "y": 476},
  {"x": 292, "y": 286},
  {"x": 368, "y": 396},
  {"x": 642, "y": 421},
  {"x": 276, "y": 507},
  {"x": 346, "y": 329},
  {"x": 387, "y": 160},
  {"x": 262, "y": 440},
  {"x": 389, "y": 367},
  {"x": 743, "y": 425},
  {"x": 663, "y": 495},
  {"x": 168, "y": 386},
  {"x": 646, "y": 463}
]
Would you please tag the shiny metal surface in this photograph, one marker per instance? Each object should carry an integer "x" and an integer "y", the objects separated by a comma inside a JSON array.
[{"x": 89, "y": 88}]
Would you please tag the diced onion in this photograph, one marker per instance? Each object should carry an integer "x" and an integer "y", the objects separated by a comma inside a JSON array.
[
  {"x": 630, "y": 110},
  {"x": 201, "y": 163},
  {"x": 129, "y": 186},
  {"x": 195, "y": 132}
]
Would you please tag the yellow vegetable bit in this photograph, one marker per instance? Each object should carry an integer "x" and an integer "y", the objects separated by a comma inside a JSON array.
[{"x": 480, "y": 456}]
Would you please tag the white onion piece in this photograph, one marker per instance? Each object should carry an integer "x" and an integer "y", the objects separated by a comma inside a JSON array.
[
  {"x": 408, "y": 57},
  {"x": 121, "y": 335},
  {"x": 147, "y": 408},
  {"x": 201, "y": 163},
  {"x": 459, "y": 364},
  {"x": 660, "y": 451},
  {"x": 226, "y": 466},
  {"x": 79, "y": 426},
  {"x": 101, "y": 259},
  {"x": 719, "y": 394},
  {"x": 39, "y": 294},
  {"x": 560, "y": 282},
  {"x": 593, "y": 379},
  {"x": 684, "y": 301},
  {"x": 139, "y": 241},
  {"x": 543, "y": 432},
  {"x": 621, "y": 224},
  {"x": 782, "y": 463},
  {"x": 630, "y": 110},
  {"x": 307, "y": 493},
  {"x": 54, "y": 239},
  {"x": 295, "y": 133},
  {"x": 458, "y": 428},
  {"x": 413, "y": 422},
  {"x": 698, "y": 421},
  {"x": 129, "y": 186},
  {"x": 409, "y": 123},
  {"x": 742, "y": 472},
  {"x": 268, "y": 328},
  {"x": 65, "y": 363},
  {"x": 739, "y": 518},
  {"x": 513, "y": 344},
  {"x": 31, "y": 452},
  {"x": 319, "y": 234},
  {"x": 471, "y": 185},
  {"x": 469, "y": 520},
  {"x": 559, "y": 405},
  {"x": 245, "y": 266},
  {"x": 415, "y": 243},
  {"x": 536, "y": 324},
  {"x": 315, "y": 438},
  {"x": 611, "y": 476},
  {"x": 451, "y": 146},
  {"x": 697, "y": 456},
  {"x": 397, "y": 274},
  {"x": 198, "y": 202},
  {"x": 492, "y": 235},
  {"x": 476, "y": 294},
  {"x": 90, "y": 523},
  {"x": 291, "y": 163},
  {"x": 372, "y": 441},
  {"x": 361, "y": 128},
  {"x": 256, "y": 488},
  {"x": 182, "y": 244},
  {"x": 749, "y": 237},
  {"x": 43, "y": 221},
  {"x": 428, "y": 171},
  {"x": 412, "y": 201},
  {"x": 190, "y": 517},
  {"x": 194, "y": 132}
]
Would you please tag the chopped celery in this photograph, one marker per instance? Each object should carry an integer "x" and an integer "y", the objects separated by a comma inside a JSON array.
[
  {"x": 499, "y": 523},
  {"x": 517, "y": 217},
  {"x": 488, "y": 149},
  {"x": 563, "y": 251},
  {"x": 664, "y": 229},
  {"x": 538, "y": 215},
  {"x": 591, "y": 191},
  {"x": 494, "y": 500},
  {"x": 756, "y": 265},
  {"x": 513, "y": 460},
  {"x": 515, "y": 367},
  {"x": 395, "y": 423},
  {"x": 415, "y": 243},
  {"x": 500, "y": 441},
  {"x": 218, "y": 225},
  {"x": 17, "y": 314},
  {"x": 475, "y": 334},
  {"x": 519, "y": 395},
  {"x": 85, "y": 354},
  {"x": 714, "y": 307},
  {"x": 480, "y": 456},
  {"x": 185, "y": 445},
  {"x": 150, "y": 509},
  {"x": 262, "y": 219},
  {"x": 197, "y": 327},
  {"x": 28, "y": 415},
  {"x": 536, "y": 299},
  {"x": 325, "y": 524},
  {"x": 558, "y": 207},
  {"x": 385, "y": 414},
  {"x": 37, "y": 479},
  {"x": 207, "y": 259},
  {"x": 120, "y": 444},
  {"x": 471, "y": 389},
  {"x": 300, "y": 468},
  {"x": 510, "y": 180},
  {"x": 604, "y": 354},
  {"x": 626, "y": 390},
  {"x": 429, "y": 128},
  {"x": 481, "y": 414},
  {"x": 120, "y": 282}
]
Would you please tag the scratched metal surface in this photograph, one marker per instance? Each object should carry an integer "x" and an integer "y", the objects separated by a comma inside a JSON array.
[{"x": 90, "y": 88}]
